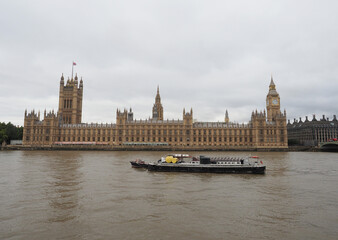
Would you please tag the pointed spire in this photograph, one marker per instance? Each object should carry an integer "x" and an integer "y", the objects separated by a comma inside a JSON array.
[
  {"x": 157, "y": 108},
  {"x": 81, "y": 83},
  {"x": 62, "y": 81},
  {"x": 158, "y": 97},
  {"x": 226, "y": 116},
  {"x": 272, "y": 84}
]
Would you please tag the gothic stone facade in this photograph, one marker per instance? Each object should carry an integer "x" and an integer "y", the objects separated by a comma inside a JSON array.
[
  {"x": 266, "y": 129},
  {"x": 314, "y": 132}
]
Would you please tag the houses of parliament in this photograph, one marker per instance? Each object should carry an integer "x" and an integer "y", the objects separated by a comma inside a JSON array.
[{"x": 265, "y": 130}]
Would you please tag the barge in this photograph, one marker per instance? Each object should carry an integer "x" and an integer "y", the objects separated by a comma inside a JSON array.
[{"x": 202, "y": 164}]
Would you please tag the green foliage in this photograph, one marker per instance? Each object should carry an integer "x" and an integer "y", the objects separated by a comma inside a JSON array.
[{"x": 10, "y": 132}]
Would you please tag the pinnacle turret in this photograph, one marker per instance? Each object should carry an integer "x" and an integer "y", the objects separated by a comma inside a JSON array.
[
  {"x": 62, "y": 81},
  {"x": 157, "y": 108},
  {"x": 272, "y": 84},
  {"x": 226, "y": 116}
]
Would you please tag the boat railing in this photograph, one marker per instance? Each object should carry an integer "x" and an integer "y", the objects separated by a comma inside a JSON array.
[{"x": 229, "y": 159}]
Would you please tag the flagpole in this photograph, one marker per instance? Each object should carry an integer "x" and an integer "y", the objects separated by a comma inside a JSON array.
[{"x": 72, "y": 68}]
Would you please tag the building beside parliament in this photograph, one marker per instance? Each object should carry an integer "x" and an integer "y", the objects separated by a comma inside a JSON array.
[
  {"x": 266, "y": 129},
  {"x": 312, "y": 132}
]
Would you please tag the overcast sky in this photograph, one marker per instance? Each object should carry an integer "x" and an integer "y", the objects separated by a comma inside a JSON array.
[{"x": 208, "y": 55}]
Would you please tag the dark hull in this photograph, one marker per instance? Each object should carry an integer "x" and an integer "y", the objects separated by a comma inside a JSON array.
[
  {"x": 206, "y": 169},
  {"x": 138, "y": 165},
  {"x": 329, "y": 148}
]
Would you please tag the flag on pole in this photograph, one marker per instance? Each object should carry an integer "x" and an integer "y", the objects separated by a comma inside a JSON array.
[{"x": 74, "y": 64}]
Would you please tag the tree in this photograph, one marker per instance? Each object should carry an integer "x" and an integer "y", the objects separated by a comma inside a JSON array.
[
  {"x": 3, "y": 136},
  {"x": 19, "y": 131},
  {"x": 10, "y": 132}
]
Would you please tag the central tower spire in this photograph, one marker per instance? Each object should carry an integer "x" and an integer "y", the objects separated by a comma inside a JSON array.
[
  {"x": 157, "y": 108},
  {"x": 158, "y": 97}
]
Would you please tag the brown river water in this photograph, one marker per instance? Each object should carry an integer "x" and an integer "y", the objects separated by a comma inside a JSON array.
[{"x": 97, "y": 195}]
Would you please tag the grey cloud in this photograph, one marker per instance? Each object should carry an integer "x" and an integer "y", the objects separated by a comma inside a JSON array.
[{"x": 209, "y": 55}]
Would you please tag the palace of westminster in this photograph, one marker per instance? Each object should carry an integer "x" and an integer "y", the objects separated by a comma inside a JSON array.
[{"x": 266, "y": 129}]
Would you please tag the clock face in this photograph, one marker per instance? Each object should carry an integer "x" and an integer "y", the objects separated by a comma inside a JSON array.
[
  {"x": 267, "y": 102},
  {"x": 274, "y": 101}
]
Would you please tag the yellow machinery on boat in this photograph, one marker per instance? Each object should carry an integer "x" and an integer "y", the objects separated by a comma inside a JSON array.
[{"x": 171, "y": 159}]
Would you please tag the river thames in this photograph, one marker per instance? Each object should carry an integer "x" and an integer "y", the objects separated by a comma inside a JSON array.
[{"x": 97, "y": 195}]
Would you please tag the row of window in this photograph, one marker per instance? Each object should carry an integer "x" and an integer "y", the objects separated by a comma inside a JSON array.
[
  {"x": 154, "y": 139},
  {"x": 271, "y": 140},
  {"x": 159, "y": 131},
  {"x": 67, "y": 119},
  {"x": 37, "y": 138},
  {"x": 103, "y": 139},
  {"x": 170, "y": 138},
  {"x": 150, "y": 132},
  {"x": 271, "y": 131},
  {"x": 67, "y": 103},
  {"x": 38, "y": 131},
  {"x": 153, "y": 132},
  {"x": 201, "y": 138}
]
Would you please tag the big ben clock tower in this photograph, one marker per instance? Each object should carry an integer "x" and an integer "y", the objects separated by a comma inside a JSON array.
[{"x": 272, "y": 102}]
